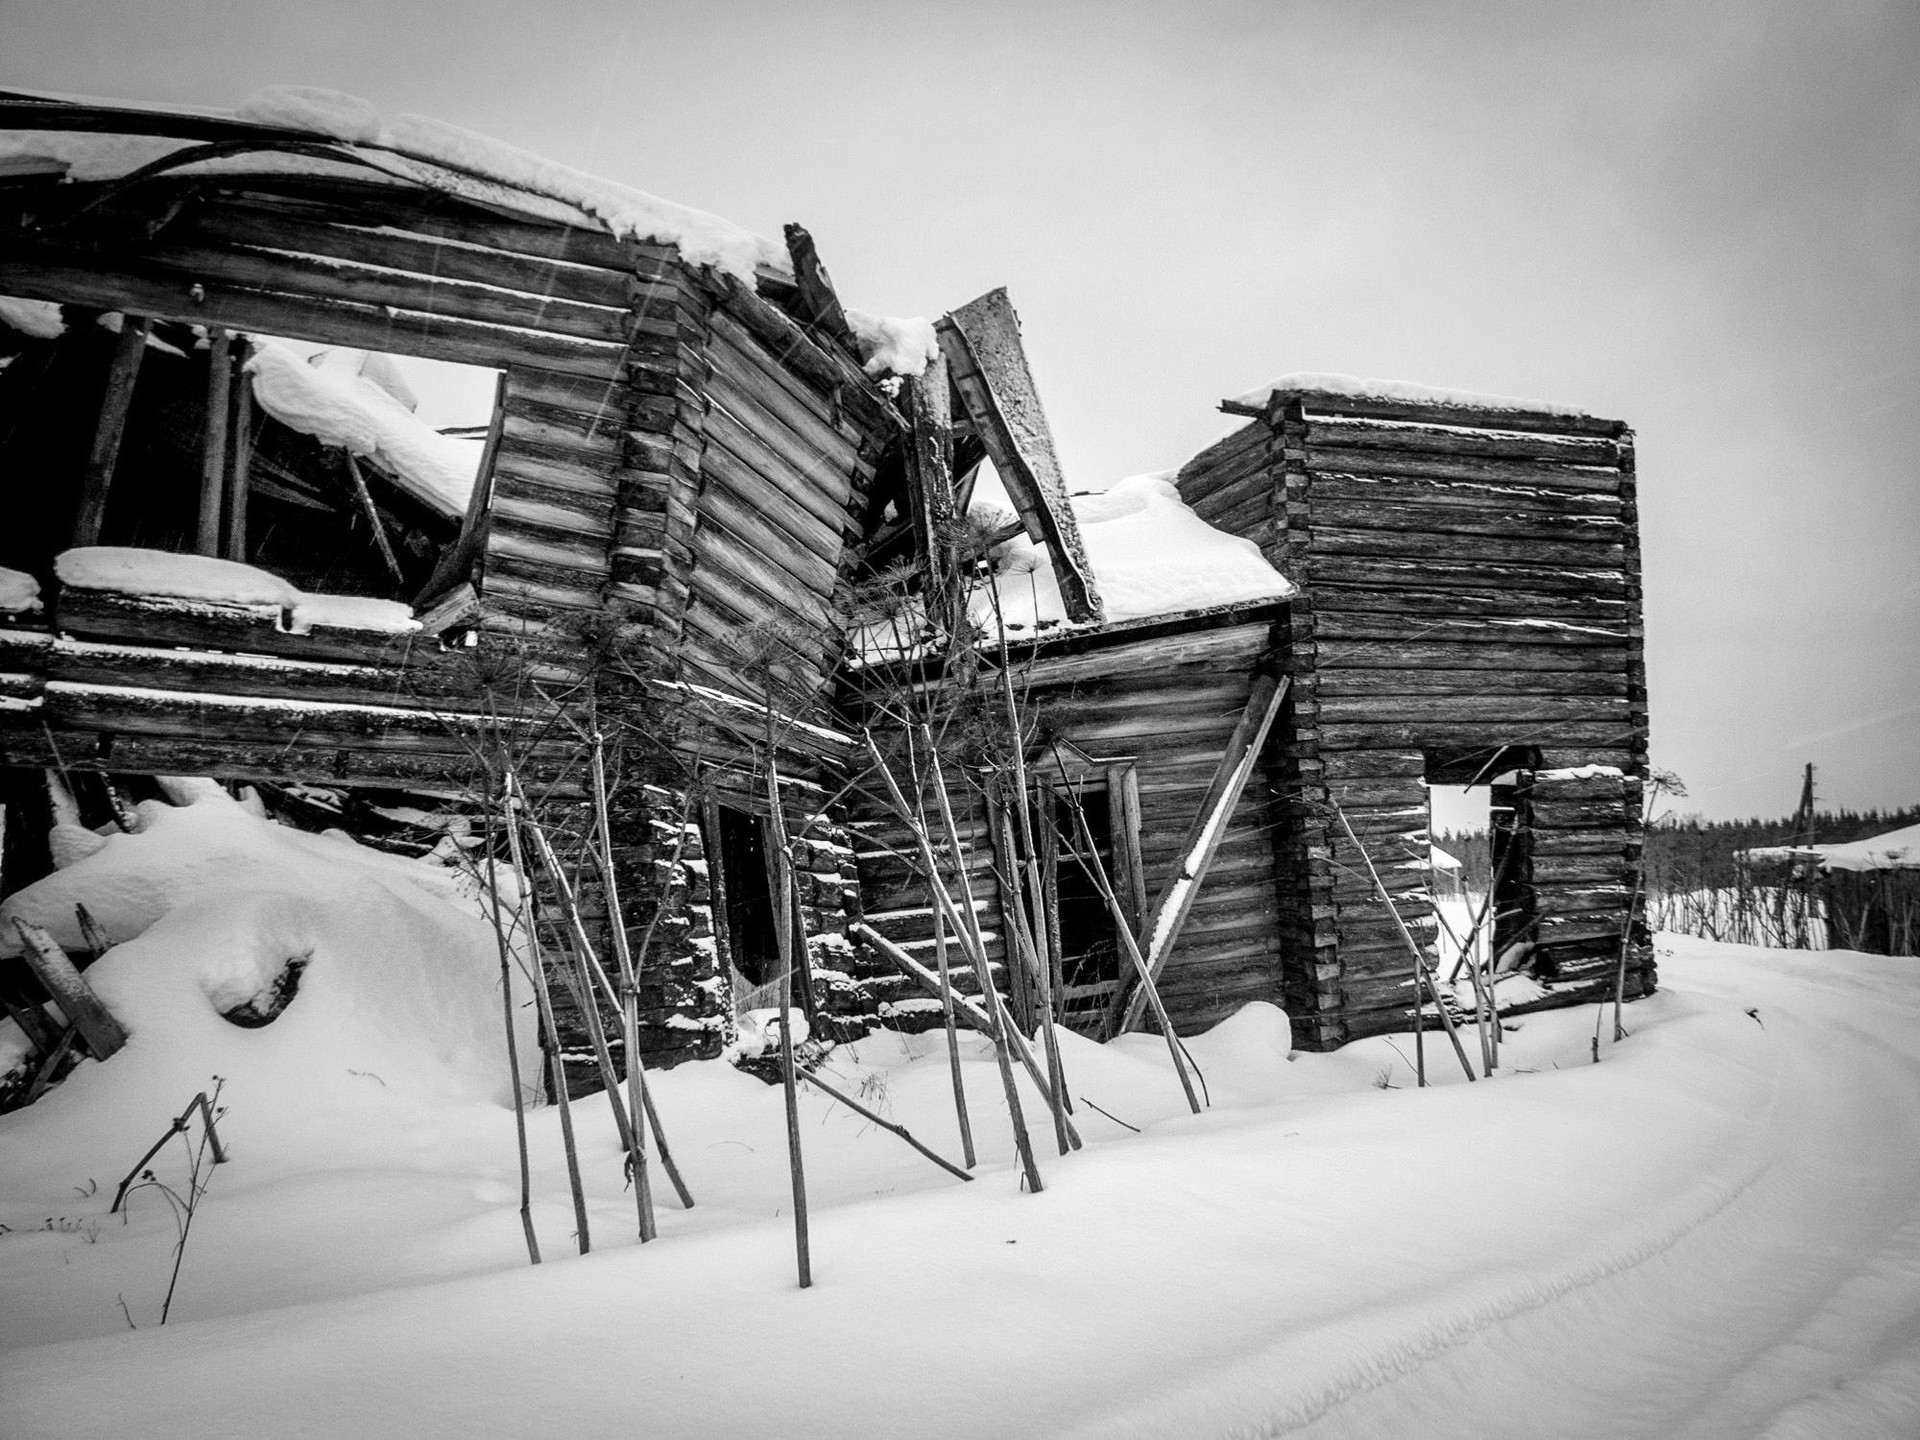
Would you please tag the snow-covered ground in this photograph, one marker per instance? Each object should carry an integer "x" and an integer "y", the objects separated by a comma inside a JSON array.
[{"x": 1713, "y": 1232}]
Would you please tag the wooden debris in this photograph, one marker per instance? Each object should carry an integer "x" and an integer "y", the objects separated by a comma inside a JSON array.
[{"x": 70, "y": 991}]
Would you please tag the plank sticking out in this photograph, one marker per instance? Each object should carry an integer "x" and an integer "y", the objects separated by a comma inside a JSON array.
[
  {"x": 121, "y": 373},
  {"x": 981, "y": 343},
  {"x": 819, "y": 302}
]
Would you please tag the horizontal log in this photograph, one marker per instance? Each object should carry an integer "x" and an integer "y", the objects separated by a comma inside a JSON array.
[
  {"x": 1423, "y": 545},
  {"x": 301, "y": 317},
  {"x": 285, "y": 228},
  {"x": 463, "y": 685},
  {"x": 1426, "y": 495},
  {"x": 1602, "y": 480},
  {"x": 1388, "y": 573},
  {"x": 1457, "y": 652},
  {"x": 1518, "y": 711},
  {"x": 431, "y": 216},
  {"x": 596, "y": 401},
  {"x": 1293, "y": 406},
  {"x": 1578, "y": 814},
  {"x": 1438, "y": 735},
  {"x": 1604, "y": 611},
  {"x": 1389, "y": 516},
  {"x": 1380, "y": 434},
  {"x": 1328, "y": 629},
  {"x": 343, "y": 280},
  {"x": 1410, "y": 685}
]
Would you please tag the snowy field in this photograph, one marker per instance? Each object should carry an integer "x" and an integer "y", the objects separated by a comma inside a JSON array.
[{"x": 1713, "y": 1232}]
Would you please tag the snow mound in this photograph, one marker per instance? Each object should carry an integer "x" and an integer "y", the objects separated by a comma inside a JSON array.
[
  {"x": 209, "y": 905},
  {"x": 40, "y": 319},
  {"x": 314, "y": 109},
  {"x": 350, "y": 400},
  {"x": 1151, "y": 555},
  {"x": 894, "y": 346},
  {"x": 126, "y": 570},
  {"x": 1353, "y": 386},
  {"x": 19, "y": 592}
]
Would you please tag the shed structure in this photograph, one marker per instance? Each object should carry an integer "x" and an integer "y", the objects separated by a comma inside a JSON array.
[{"x": 1469, "y": 614}]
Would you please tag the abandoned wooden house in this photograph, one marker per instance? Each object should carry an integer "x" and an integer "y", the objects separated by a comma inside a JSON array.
[{"x": 713, "y": 516}]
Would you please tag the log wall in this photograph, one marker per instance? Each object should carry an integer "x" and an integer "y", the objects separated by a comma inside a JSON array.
[
  {"x": 1167, "y": 700},
  {"x": 1470, "y": 604}
]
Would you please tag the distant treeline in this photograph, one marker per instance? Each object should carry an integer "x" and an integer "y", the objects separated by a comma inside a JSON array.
[{"x": 1685, "y": 852}]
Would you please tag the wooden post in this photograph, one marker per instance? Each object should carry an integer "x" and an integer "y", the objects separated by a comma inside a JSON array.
[
  {"x": 367, "y": 508},
  {"x": 121, "y": 373},
  {"x": 784, "y": 938},
  {"x": 240, "y": 455},
  {"x": 70, "y": 991},
  {"x": 213, "y": 444}
]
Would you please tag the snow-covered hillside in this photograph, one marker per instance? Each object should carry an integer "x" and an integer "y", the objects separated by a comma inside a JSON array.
[{"x": 1713, "y": 1232}]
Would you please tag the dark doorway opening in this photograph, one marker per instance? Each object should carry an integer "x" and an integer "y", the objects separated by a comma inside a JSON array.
[{"x": 746, "y": 883}]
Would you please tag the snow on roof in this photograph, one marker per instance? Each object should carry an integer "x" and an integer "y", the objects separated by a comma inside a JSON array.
[
  {"x": 1895, "y": 850},
  {"x": 1151, "y": 555},
  {"x": 1354, "y": 387},
  {"x": 347, "y": 398},
  {"x": 125, "y": 570},
  {"x": 1441, "y": 860},
  {"x": 455, "y": 158}
]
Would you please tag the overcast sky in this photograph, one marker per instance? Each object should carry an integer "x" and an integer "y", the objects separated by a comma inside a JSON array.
[{"x": 1702, "y": 218}]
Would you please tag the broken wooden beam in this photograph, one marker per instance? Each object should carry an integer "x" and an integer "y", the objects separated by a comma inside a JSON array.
[
  {"x": 818, "y": 302},
  {"x": 70, "y": 991},
  {"x": 114, "y": 406},
  {"x": 981, "y": 343}
]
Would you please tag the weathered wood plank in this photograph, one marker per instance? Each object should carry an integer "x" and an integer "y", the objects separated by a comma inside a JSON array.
[
  {"x": 302, "y": 317},
  {"x": 981, "y": 342}
]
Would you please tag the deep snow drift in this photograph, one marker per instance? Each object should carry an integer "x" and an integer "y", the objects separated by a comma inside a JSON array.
[{"x": 1715, "y": 1231}]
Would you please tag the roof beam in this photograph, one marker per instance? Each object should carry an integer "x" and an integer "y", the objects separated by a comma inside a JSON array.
[{"x": 981, "y": 343}]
